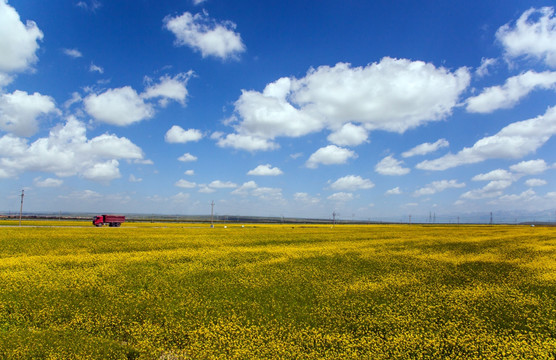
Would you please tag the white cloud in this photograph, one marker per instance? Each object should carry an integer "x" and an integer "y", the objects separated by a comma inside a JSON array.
[
  {"x": 18, "y": 41},
  {"x": 67, "y": 152},
  {"x": 341, "y": 197},
  {"x": 198, "y": 2},
  {"x": 133, "y": 178},
  {"x": 204, "y": 34},
  {"x": 330, "y": 155},
  {"x": 390, "y": 166},
  {"x": 48, "y": 182},
  {"x": 352, "y": 183},
  {"x": 513, "y": 141},
  {"x": 120, "y": 106},
  {"x": 392, "y": 95},
  {"x": 515, "y": 88},
  {"x": 187, "y": 157},
  {"x": 498, "y": 174},
  {"x": 394, "y": 191},
  {"x": 173, "y": 88},
  {"x": 264, "y": 193},
  {"x": 205, "y": 189},
  {"x": 533, "y": 35},
  {"x": 535, "y": 182},
  {"x": 485, "y": 64},
  {"x": 189, "y": 172},
  {"x": 74, "y": 53},
  {"x": 92, "y": 5},
  {"x": 492, "y": 189},
  {"x": 103, "y": 171},
  {"x": 245, "y": 142},
  {"x": 265, "y": 170},
  {"x": 218, "y": 184},
  {"x": 530, "y": 167},
  {"x": 180, "y": 197},
  {"x": 526, "y": 196},
  {"x": 426, "y": 148},
  {"x": 185, "y": 184},
  {"x": 438, "y": 186},
  {"x": 268, "y": 193},
  {"x": 96, "y": 68},
  {"x": 19, "y": 111},
  {"x": 245, "y": 188},
  {"x": 177, "y": 134},
  {"x": 305, "y": 198},
  {"x": 349, "y": 135}
]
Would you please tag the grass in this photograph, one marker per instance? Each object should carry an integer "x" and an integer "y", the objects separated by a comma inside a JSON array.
[{"x": 278, "y": 292}]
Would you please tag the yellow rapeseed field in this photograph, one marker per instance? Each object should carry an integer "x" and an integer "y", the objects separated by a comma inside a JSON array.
[{"x": 186, "y": 291}]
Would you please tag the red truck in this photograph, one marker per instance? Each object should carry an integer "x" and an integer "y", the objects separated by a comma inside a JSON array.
[{"x": 111, "y": 220}]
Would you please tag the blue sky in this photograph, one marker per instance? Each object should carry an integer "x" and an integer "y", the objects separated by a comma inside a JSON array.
[{"x": 372, "y": 109}]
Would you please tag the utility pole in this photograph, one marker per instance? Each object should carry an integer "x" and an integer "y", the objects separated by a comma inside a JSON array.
[
  {"x": 410, "y": 219},
  {"x": 490, "y": 223},
  {"x": 212, "y": 214},
  {"x": 21, "y": 207},
  {"x": 334, "y": 218}
]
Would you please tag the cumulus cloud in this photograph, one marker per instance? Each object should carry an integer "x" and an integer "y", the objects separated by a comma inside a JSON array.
[
  {"x": 525, "y": 197},
  {"x": 498, "y": 174},
  {"x": 74, "y": 53},
  {"x": 245, "y": 142},
  {"x": 426, "y": 148},
  {"x": 532, "y": 35},
  {"x": 250, "y": 188},
  {"x": 438, "y": 186},
  {"x": 120, "y": 106},
  {"x": 18, "y": 41},
  {"x": 177, "y": 134},
  {"x": 218, "y": 184},
  {"x": 67, "y": 152},
  {"x": 352, "y": 183},
  {"x": 507, "y": 95},
  {"x": 265, "y": 170},
  {"x": 341, "y": 197},
  {"x": 169, "y": 88},
  {"x": 392, "y": 95},
  {"x": 390, "y": 166},
  {"x": 185, "y": 184},
  {"x": 330, "y": 155},
  {"x": 394, "y": 191},
  {"x": 349, "y": 135},
  {"x": 493, "y": 189},
  {"x": 124, "y": 106},
  {"x": 513, "y": 141},
  {"x": 305, "y": 198},
  {"x": 20, "y": 112},
  {"x": 187, "y": 157},
  {"x": 530, "y": 167},
  {"x": 535, "y": 182},
  {"x": 48, "y": 182},
  {"x": 485, "y": 64},
  {"x": 206, "y": 35}
]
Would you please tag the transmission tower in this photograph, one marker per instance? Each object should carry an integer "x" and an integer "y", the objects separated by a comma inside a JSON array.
[
  {"x": 212, "y": 214},
  {"x": 21, "y": 207}
]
